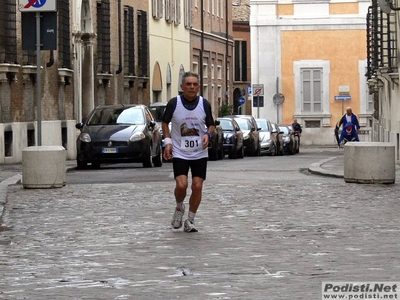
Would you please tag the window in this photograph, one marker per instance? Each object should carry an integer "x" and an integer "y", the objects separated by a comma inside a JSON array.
[
  {"x": 169, "y": 11},
  {"x": 64, "y": 49},
  {"x": 219, "y": 72},
  {"x": 240, "y": 61},
  {"x": 157, "y": 8},
  {"x": 311, "y": 90},
  {"x": 188, "y": 13},
  {"x": 103, "y": 36},
  {"x": 311, "y": 80},
  {"x": 177, "y": 19},
  {"x": 143, "y": 45},
  {"x": 196, "y": 67},
  {"x": 205, "y": 70},
  {"x": 8, "y": 32},
  {"x": 129, "y": 41}
]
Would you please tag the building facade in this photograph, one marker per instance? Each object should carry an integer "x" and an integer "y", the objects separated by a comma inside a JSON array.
[
  {"x": 314, "y": 54},
  {"x": 212, "y": 50},
  {"x": 169, "y": 37},
  {"x": 101, "y": 57},
  {"x": 383, "y": 71},
  {"x": 242, "y": 58}
]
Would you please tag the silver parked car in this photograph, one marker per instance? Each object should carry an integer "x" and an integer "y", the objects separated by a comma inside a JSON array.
[{"x": 267, "y": 137}]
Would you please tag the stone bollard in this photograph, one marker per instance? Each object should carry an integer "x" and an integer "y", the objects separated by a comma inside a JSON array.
[
  {"x": 44, "y": 167},
  {"x": 369, "y": 162}
]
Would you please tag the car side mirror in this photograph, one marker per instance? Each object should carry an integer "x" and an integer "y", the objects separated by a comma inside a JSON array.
[
  {"x": 217, "y": 122},
  {"x": 79, "y": 126},
  {"x": 152, "y": 124},
  {"x": 237, "y": 128}
]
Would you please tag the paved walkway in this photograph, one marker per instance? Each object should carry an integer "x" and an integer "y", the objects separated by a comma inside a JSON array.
[{"x": 281, "y": 241}]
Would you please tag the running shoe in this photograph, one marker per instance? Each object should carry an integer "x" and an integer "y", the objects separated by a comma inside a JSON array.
[
  {"x": 190, "y": 226},
  {"x": 177, "y": 218}
]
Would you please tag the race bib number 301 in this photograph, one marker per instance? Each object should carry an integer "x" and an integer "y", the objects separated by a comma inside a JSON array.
[{"x": 191, "y": 143}]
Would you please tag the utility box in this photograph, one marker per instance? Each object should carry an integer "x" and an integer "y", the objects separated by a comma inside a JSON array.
[
  {"x": 369, "y": 162},
  {"x": 44, "y": 167}
]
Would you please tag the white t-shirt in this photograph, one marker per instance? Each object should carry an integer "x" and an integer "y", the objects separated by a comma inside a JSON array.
[{"x": 187, "y": 130}]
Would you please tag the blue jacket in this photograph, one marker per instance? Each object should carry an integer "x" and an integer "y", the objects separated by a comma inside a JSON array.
[
  {"x": 343, "y": 121},
  {"x": 349, "y": 133}
]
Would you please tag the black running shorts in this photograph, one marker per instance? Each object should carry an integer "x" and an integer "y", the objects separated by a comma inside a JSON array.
[{"x": 198, "y": 167}]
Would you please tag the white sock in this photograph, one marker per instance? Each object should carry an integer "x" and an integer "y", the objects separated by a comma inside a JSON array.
[
  {"x": 191, "y": 215},
  {"x": 179, "y": 205}
]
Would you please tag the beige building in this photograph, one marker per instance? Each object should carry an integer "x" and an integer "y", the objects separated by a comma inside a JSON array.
[
  {"x": 169, "y": 36},
  {"x": 314, "y": 53}
]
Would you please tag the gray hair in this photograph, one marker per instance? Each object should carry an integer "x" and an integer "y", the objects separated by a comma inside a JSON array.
[{"x": 189, "y": 74}]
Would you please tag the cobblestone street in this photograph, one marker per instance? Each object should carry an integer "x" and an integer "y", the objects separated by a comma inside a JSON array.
[{"x": 264, "y": 239}]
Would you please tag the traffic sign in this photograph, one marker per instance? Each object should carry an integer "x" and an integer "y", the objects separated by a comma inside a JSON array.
[
  {"x": 258, "y": 89},
  {"x": 37, "y": 5},
  {"x": 278, "y": 98},
  {"x": 241, "y": 100},
  {"x": 341, "y": 98}
]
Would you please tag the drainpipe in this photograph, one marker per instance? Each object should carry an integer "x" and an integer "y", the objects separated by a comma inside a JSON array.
[
  {"x": 51, "y": 61},
  {"x": 119, "y": 38},
  {"x": 202, "y": 47},
  {"x": 226, "y": 54}
]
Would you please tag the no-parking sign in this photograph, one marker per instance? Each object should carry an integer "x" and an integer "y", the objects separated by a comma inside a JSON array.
[{"x": 37, "y": 5}]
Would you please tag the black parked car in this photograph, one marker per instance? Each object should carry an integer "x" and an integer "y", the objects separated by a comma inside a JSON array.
[
  {"x": 216, "y": 148},
  {"x": 251, "y": 134},
  {"x": 289, "y": 144},
  {"x": 233, "y": 138},
  {"x": 119, "y": 134}
]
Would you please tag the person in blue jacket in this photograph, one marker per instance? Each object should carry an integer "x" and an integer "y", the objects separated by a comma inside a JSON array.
[
  {"x": 348, "y": 117},
  {"x": 348, "y": 134}
]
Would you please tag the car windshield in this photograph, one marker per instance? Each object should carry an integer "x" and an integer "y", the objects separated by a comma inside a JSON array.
[
  {"x": 263, "y": 124},
  {"x": 284, "y": 129},
  {"x": 243, "y": 123},
  {"x": 157, "y": 112},
  {"x": 226, "y": 124},
  {"x": 115, "y": 116}
]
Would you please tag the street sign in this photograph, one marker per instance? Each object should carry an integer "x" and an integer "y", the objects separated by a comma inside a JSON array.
[
  {"x": 258, "y": 101},
  {"x": 249, "y": 90},
  {"x": 258, "y": 89},
  {"x": 37, "y": 5},
  {"x": 341, "y": 98},
  {"x": 241, "y": 100},
  {"x": 48, "y": 31},
  {"x": 278, "y": 99}
]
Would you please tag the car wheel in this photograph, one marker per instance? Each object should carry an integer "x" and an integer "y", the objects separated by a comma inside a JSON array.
[
  {"x": 274, "y": 152},
  {"x": 95, "y": 165},
  {"x": 221, "y": 153},
  {"x": 213, "y": 152},
  {"x": 292, "y": 150},
  {"x": 157, "y": 160},
  {"x": 241, "y": 152},
  {"x": 233, "y": 153},
  {"x": 253, "y": 150},
  {"x": 81, "y": 164},
  {"x": 148, "y": 159}
]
